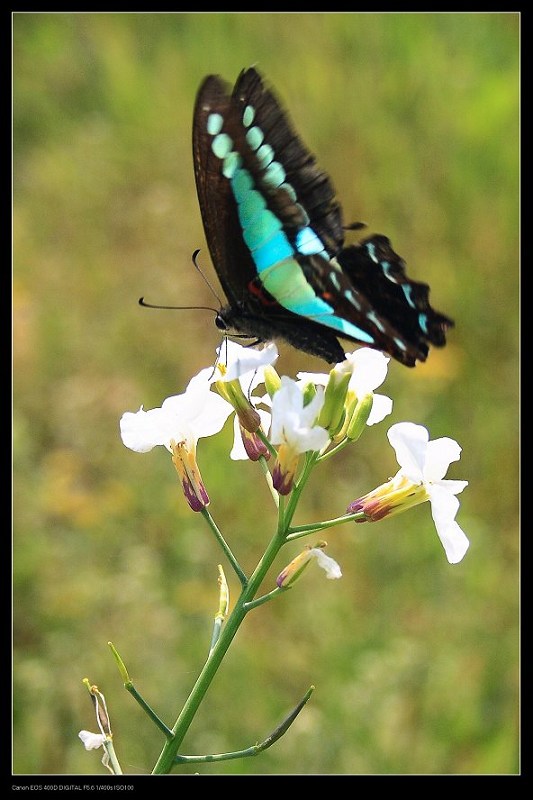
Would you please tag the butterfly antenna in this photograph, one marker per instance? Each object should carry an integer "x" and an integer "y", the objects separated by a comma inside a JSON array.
[
  {"x": 144, "y": 304},
  {"x": 209, "y": 286},
  {"x": 142, "y": 301}
]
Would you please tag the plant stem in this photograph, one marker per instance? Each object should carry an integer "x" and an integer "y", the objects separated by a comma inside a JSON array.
[
  {"x": 167, "y": 757},
  {"x": 297, "y": 531},
  {"x": 225, "y": 547}
]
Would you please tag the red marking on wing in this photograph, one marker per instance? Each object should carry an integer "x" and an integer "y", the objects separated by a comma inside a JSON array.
[{"x": 256, "y": 288}]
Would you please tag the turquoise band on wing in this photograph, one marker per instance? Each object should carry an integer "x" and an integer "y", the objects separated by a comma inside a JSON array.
[{"x": 272, "y": 252}]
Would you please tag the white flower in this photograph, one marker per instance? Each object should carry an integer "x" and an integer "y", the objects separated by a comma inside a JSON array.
[
  {"x": 293, "y": 428},
  {"x": 185, "y": 417},
  {"x": 423, "y": 465},
  {"x": 427, "y": 462},
  {"x": 368, "y": 370},
  {"x": 177, "y": 425},
  {"x": 293, "y": 423},
  {"x": 237, "y": 372},
  {"x": 236, "y": 361},
  {"x": 92, "y": 741}
]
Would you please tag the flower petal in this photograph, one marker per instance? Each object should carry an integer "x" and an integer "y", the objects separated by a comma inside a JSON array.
[
  {"x": 410, "y": 442},
  {"x": 381, "y": 408},
  {"x": 287, "y": 405},
  {"x": 201, "y": 382},
  {"x": 292, "y": 423},
  {"x": 312, "y": 439},
  {"x": 328, "y": 564},
  {"x": 369, "y": 369},
  {"x": 454, "y": 541},
  {"x": 310, "y": 412},
  {"x": 200, "y": 410},
  {"x": 241, "y": 360},
  {"x": 444, "y": 507},
  {"x": 317, "y": 378},
  {"x": 455, "y": 487},
  {"x": 141, "y": 431},
  {"x": 439, "y": 455},
  {"x": 92, "y": 741},
  {"x": 210, "y": 418}
]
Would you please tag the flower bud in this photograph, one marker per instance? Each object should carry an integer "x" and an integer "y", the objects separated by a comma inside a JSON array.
[
  {"x": 233, "y": 393},
  {"x": 285, "y": 468},
  {"x": 184, "y": 459},
  {"x": 359, "y": 417},
  {"x": 397, "y": 495},
  {"x": 254, "y": 445},
  {"x": 272, "y": 380},
  {"x": 294, "y": 569},
  {"x": 332, "y": 412},
  {"x": 223, "y": 599}
]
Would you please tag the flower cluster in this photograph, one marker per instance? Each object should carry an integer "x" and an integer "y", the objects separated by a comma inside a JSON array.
[{"x": 313, "y": 415}]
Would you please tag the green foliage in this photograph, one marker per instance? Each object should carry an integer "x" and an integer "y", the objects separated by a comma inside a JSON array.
[{"x": 415, "y": 116}]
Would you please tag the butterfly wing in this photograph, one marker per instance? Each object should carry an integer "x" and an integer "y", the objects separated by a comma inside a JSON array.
[
  {"x": 231, "y": 258},
  {"x": 275, "y": 234},
  {"x": 304, "y": 196},
  {"x": 375, "y": 303},
  {"x": 252, "y": 310},
  {"x": 404, "y": 324}
]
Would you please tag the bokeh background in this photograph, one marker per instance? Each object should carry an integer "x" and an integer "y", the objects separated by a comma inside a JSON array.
[{"x": 415, "y": 662}]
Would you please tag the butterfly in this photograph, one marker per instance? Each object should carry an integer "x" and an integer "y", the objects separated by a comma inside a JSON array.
[{"x": 275, "y": 234}]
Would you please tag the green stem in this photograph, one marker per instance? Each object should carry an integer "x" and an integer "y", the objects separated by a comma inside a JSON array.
[
  {"x": 297, "y": 531},
  {"x": 268, "y": 477},
  {"x": 334, "y": 450},
  {"x": 299, "y": 486},
  {"x": 250, "y": 587},
  {"x": 270, "y": 447},
  {"x": 167, "y": 757},
  {"x": 217, "y": 628},
  {"x": 224, "y": 545},
  {"x": 110, "y": 750},
  {"x": 255, "y": 749},
  {"x": 266, "y": 597},
  {"x": 147, "y": 709}
]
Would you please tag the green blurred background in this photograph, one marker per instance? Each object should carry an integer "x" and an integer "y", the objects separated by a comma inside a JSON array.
[{"x": 415, "y": 662}]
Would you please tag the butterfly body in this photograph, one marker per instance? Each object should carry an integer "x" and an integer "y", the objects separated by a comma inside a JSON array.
[{"x": 275, "y": 234}]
